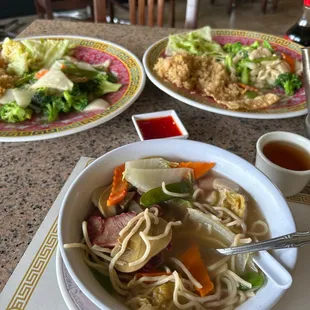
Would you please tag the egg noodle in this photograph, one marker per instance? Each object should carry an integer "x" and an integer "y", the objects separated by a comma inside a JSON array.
[{"x": 137, "y": 292}]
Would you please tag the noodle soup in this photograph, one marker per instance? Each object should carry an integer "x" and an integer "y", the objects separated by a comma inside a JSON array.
[{"x": 151, "y": 234}]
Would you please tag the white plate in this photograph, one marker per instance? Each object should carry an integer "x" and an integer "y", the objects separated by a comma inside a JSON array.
[
  {"x": 288, "y": 107},
  {"x": 76, "y": 206},
  {"x": 124, "y": 63}
]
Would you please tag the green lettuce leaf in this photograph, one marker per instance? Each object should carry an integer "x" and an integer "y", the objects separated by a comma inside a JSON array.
[{"x": 198, "y": 42}]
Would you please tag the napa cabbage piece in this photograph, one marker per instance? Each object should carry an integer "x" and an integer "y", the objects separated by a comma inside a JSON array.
[
  {"x": 7, "y": 97},
  {"x": 15, "y": 54},
  {"x": 28, "y": 55},
  {"x": 44, "y": 52},
  {"x": 23, "y": 96},
  {"x": 233, "y": 201},
  {"x": 198, "y": 42},
  {"x": 150, "y": 163},
  {"x": 147, "y": 179},
  {"x": 54, "y": 79},
  {"x": 97, "y": 104},
  {"x": 162, "y": 295},
  {"x": 243, "y": 261}
]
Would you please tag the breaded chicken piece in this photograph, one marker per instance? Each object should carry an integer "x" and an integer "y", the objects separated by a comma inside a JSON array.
[{"x": 211, "y": 78}]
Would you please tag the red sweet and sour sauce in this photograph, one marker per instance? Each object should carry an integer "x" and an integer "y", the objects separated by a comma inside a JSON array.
[{"x": 161, "y": 127}]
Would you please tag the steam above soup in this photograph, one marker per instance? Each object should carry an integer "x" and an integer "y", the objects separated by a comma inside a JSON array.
[{"x": 150, "y": 234}]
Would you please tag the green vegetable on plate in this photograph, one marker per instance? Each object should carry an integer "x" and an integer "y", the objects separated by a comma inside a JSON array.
[
  {"x": 233, "y": 48},
  {"x": 268, "y": 46},
  {"x": 197, "y": 42},
  {"x": 290, "y": 82},
  {"x": 245, "y": 76},
  {"x": 76, "y": 98},
  {"x": 13, "y": 113},
  {"x": 251, "y": 94}
]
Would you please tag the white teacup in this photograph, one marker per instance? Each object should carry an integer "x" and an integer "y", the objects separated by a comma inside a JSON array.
[{"x": 290, "y": 182}]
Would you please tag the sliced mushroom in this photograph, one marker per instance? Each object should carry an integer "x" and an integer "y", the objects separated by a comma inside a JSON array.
[
  {"x": 106, "y": 211},
  {"x": 220, "y": 183},
  {"x": 96, "y": 195},
  {"x": 136, "y": 246},
  {"x": 135, "y": 207}
]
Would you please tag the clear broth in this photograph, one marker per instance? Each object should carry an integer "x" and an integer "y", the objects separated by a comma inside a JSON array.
[{"x": 190, "y": 233}]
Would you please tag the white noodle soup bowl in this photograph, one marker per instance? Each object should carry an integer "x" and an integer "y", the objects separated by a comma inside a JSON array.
[
  {"x": 76, "y": 207},
  {"x": 289, "y": 182}
]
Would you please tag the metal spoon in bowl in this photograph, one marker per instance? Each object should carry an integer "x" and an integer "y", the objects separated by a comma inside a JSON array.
[
  {"x": 293, "y": 240},
  {"x": 266, "y": 262}
]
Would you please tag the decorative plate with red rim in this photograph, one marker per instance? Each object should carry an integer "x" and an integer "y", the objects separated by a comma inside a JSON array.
[
  {"x": 287, "y": 107},
  {"x": 126, "y": 66}
]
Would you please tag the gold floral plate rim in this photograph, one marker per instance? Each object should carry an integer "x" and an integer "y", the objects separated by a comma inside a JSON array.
[
  {"x": 136, "y": 85},
  {"x": 156, "y": 49}
]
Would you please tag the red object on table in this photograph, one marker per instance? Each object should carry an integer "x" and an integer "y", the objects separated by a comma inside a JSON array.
[
  {"x": 161, "y": 127},
  {"x": 300, "y": 32}
]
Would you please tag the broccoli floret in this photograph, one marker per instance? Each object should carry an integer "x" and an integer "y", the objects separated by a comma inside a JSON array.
[
  {"x": 12, "y": 113},
  {"x": 41, "y": 97},
  {"x": 51, "y": 110},
  {"x": 104, "y": 86},
  {"x": 77, "y": 98},
  {"x": 63, "y": 104},
  {"x": 290, "y": 82},
  {"x": 233, "y": 48},
  {"x": 50, "y": 104}
]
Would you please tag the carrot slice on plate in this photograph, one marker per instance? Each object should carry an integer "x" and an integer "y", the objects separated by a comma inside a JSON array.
[
  {"x": 119, "y": 187},
  {"x": 290, "y": 60},
  {"x": 199, "y": 168},
  {"x": 41, "y": 73}
]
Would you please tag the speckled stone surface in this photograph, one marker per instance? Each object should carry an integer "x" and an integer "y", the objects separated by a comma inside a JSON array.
[{"x": 32, "y": 174}]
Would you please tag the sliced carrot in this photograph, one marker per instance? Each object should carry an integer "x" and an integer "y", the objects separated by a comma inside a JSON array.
[
  {"x": 41, "y": 73},
  {"x": 152, "y": 274},
  {"x": 192, "y": 260},
  {"x": 119, "y": 187},
  {"x": 290, "y": 60},
  {"x": 247, "y": 87},
  {"x": 199, "y": 168},
  {"x": 62, "y": 66}
]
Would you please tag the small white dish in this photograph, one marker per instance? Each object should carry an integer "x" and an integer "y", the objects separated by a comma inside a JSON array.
[
  {"x": 152, "y": 115},
  {"x": 290, "y": 182}
]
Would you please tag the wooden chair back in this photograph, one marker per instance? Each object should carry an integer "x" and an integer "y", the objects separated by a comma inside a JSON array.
[
  {"x": 138, "y": 7},
  {"x": 47, "y": 6}
]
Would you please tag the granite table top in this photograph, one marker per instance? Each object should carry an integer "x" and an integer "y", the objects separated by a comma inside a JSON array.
[{"x": 32, "y": 173}]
